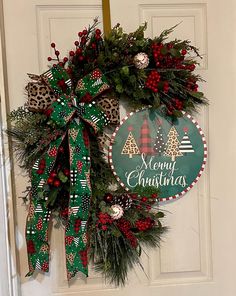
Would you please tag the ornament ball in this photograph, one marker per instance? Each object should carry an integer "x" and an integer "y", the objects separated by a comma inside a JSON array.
[
  {"x": 117, "y": 212},
  {"x": 108, "y": 197},
  {"x": 141, "y": 60}
]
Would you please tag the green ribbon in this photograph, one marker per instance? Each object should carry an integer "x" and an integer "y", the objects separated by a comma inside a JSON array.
[{"x": 74, "y": 117}]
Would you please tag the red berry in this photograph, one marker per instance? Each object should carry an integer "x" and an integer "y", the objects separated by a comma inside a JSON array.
[
  {"x": 50, "y": 180},
  {"x": 49, "y": 59},
  {"x": 98, "y": 31},
  {"x": 133, "y": 196},
  {"x": 57, "y": 183},
  {"x": 154, "y": 195},
  {"x": 71, "y": 53},
  {"x": 93, "y": 45},
  {"x": 40, "y": 171},
  {"x": 83, "y": 40},
  {"x": 42, "y": 161},
  {"x": 144, "y": 199},
  {"x": 184, "y": 52},
  {"x": 80, "y": 34},
  {"x": 69, "y": 70},
  {"x": 81, "y": 58},
  {"x": 192, "y": 67},
  {"x": 61, "y": 149},
  {"x": 66, "y": 172},
  {"x": 85, "y": 32},
  {"x": 108, "y": 197},
  {"x": 57, "y": 52},
  {"x": 78, "y": 51},
  {"x": 53, "y": 45},
  {"x": 53, "y": 174},
  {"x": 76, "y": 43},
  {"x": 48, "y": 112}
]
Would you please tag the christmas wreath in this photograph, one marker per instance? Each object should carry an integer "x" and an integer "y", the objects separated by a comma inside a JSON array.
[{"x": 60, "y": 140}]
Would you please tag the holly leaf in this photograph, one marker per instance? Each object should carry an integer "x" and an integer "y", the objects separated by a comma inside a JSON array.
[
  {"x": 156, "y": 102},
  {"x": 62, "y": 177},
  {"x": 125, "y": 70},
  {"x": 116, "y": 232},
  {"x": 175, "y": 53},
  {"x": 177, "y": 113},
  {"x": 160, "y": 215},
  {"x": 119, "y": 88},
  {"x": 196, "y": 94},
  {"x": 164, "y": 50},
  {"x": 52, "y": 197}
]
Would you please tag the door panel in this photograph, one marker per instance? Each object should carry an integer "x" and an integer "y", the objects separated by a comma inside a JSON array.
[{"x": 197, "y": 254}]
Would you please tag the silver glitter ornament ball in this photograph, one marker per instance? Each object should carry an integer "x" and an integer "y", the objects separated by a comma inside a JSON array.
[{"x": 141, "y": 60}]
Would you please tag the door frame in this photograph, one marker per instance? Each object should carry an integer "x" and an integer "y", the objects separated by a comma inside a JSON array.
[{"x": 10, "y": 283}]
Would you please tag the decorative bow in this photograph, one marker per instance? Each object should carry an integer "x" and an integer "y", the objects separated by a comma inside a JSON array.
[{"x": 73, "y": 113}]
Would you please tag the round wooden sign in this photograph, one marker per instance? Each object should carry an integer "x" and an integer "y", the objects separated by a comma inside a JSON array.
[{"x": 150, "y": 150}]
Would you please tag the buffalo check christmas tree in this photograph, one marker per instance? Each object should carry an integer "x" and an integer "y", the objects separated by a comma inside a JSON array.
[{"x": 145, "y": 140}]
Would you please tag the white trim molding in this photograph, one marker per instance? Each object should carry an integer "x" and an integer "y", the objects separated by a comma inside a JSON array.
[{"x": 9, "y": 283}]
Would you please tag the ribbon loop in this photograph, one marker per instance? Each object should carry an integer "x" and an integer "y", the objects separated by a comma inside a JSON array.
[{"x": 75, "y": 117}]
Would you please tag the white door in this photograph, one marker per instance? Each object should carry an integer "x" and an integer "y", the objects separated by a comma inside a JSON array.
[{"x": 197, "y": 256}]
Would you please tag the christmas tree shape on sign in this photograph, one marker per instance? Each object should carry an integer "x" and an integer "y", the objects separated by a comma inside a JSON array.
[
  {"x": 130, "y": 148},
  {"x": 186, "y": 145},
  {"x": 145, "y": 139},
  {"x": 159, "y": 145},
  {"x": 172, "y": 145}
]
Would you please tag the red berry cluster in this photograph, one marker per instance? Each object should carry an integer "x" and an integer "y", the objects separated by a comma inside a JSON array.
[
  {"x": 62, "y": 84},
  {"x": 42, "y": 165},
  {"x": 84, "y": 36},
  {"x": 192, "y": 85},
  {"x": 156, "y": 51},
  {"x": 165, "y": 86},
  {"x": 143, "y": 202},
  {"x": 30, "y": 247},
  {"x": 104, "y": 220},
  {"x": 144, "y": 224},
  {"x": 84, "y": 257},
  {"x": 124, "y": 226},
  {"x": 165, "y": 56},
  {"x": 152, "y": 81},
  {"x": 53, "y": 180},
  {"x": 95, "y": 39},
  {"x": 177, "y": 104},
  {"x": 77, "y": 225},
  {"x": 57, "y": 54}
]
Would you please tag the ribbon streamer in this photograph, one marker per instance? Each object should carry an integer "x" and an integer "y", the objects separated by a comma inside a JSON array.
[{"x": 75, "y": 114}]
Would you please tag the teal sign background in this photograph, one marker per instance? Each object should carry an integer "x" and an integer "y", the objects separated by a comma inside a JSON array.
[{"x": 149, "y": 149}]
